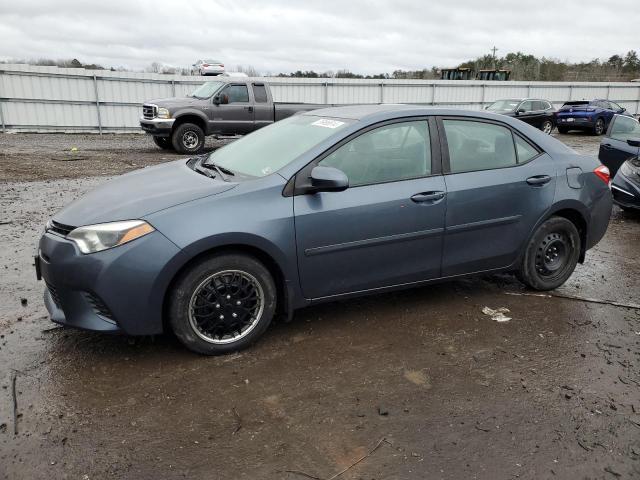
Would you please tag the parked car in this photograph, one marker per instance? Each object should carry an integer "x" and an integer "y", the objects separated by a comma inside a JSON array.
[
  {"x": 620, "y": 151},
  {"x": 226, "y": 106},
  {"x": 207, "y": 67},
  {"x": 320, "y": 206},
  {"x": 534, "y": 111},
  {"x": 592, "y": 116}
]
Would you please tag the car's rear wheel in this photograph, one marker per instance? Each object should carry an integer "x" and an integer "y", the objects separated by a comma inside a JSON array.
[
  {"x": 598, "y": 128},
  {"x": 547, "y": 127},
  {"x": 563, "y": 130},
  {"x": 223, "y": 304},
  {"x": 163, "y": 142},
  {"x": 551, "y": 255},
  {"x": 188, "y": 138}
]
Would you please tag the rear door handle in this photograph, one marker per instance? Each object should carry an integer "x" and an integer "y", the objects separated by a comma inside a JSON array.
[
  {"x": 249, "y": 108},
  {"x": 606, "y": 145},
  {"x": 539, "y": 180},
  {"x": 428, "y": 197}
]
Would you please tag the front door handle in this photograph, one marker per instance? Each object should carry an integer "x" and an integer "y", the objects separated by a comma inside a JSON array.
[
  {"x": 606, "y": 146},
  {"x": 428, "y": 197},
  {"x": 539, "y": 180}
]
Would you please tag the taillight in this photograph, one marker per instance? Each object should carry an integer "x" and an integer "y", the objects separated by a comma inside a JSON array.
[
  {"x": 221, "y": 66},
  {"x": 205, "y": 64},
  {"x": 603, "y": 174}
]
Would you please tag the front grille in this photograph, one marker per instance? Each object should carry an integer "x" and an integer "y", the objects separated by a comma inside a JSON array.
[
  {"x": 99, "y": 307},
  {"x": 54, "y": 294},
  {"x": 60, "y": 228},
  {"x": 149, "y": 111}
]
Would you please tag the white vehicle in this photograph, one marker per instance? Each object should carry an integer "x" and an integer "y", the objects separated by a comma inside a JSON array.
[{"x": 207, "y": 67}]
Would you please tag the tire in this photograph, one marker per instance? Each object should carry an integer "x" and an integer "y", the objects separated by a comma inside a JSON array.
[
  {"x": 551, "y": 255},
  {"x": 163, "y": 142},
  {"x": 187, "y": 138},
  {"x": 563, "y": 130},
  {"x": 599, "y": 127},
  {"x": 547, "y": 127},
  {"x": 226, "y": 285}
]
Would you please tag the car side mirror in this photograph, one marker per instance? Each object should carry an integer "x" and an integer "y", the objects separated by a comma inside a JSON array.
[
  {"x": 622, "y": 110},
  {"x": 520, "y": 110},
  {"x": 328, "y": 179},
  {"x": 633, "y": 142},
  {"x": 221, "y": 99}
]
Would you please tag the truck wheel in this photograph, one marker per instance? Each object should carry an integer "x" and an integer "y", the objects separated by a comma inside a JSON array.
[
  {"x": 188, "y": 138},
  {"x": 222, "y": 304},
  {"x": 551, "y": 255},
  {"x": 163, "y": 142}
]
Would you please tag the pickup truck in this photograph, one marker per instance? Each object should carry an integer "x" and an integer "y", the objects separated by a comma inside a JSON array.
[{"x": 227, "y": 106}]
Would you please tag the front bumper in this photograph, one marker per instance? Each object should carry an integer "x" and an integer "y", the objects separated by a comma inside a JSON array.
[
  {"x": 159, "y": 127},
  {"x": 116, "y": 290},
  {"x": 626, "y": 192}
]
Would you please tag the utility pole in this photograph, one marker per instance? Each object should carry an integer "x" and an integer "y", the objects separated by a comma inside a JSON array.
[{"x": 494, "y": 50}]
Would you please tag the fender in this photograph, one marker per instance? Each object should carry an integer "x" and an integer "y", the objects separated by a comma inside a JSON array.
[{"x": 192, "y": 112}]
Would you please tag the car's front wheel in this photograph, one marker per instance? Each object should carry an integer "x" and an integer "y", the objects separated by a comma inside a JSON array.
[
  {"x": 188, "y": 138},
  {"x": 222, "y": 304},
  {"x": 598, "y": 128},
  {"x": 551, "y": 255},
  {"x": 163, "y": 142},
  {"x": 563, "y": 130},
  {"x": 547, "y": 127}
]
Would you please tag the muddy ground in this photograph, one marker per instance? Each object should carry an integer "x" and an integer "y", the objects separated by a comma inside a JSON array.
[{"x": 440, "y": 389}]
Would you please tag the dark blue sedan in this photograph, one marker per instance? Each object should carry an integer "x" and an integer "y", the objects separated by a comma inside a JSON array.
[
  {"x": 591, "y": 116},
  {"x": 322, "y": 206}
]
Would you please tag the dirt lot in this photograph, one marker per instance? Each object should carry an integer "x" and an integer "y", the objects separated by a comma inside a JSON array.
[{"x": 439, "y": 388}]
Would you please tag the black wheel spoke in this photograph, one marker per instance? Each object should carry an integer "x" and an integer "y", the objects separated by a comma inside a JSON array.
[{"x": 226, "y": 306}]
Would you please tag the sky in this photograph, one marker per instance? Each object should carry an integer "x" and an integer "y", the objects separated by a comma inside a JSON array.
[{"x": 363, "y": 36}]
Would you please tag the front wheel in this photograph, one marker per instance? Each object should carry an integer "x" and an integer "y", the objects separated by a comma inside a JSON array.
[
  {"x": 598, "y": 128},
  {"x": 223, "y": 304},
  {"x": 188, "y": 138},
  {"x": 551, "y": 255},
  {"x": 163, "y": 142},
  {"x": 547, "y": 127},
  {"x": 563, "y": 130}
]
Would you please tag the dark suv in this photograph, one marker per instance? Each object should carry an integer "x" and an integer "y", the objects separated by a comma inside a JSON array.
[{"x": 536, "y": 112}]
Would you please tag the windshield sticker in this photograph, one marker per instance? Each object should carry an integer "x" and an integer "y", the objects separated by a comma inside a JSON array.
[{"x": 326, "y": 123}]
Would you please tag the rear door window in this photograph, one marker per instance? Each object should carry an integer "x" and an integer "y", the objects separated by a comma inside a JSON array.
[
  {"x": 475, "y": 145},
  {"x": 260, "y": 93},
  {"x": 524, "y": 149},
  {"x": 526, "y": 106}
]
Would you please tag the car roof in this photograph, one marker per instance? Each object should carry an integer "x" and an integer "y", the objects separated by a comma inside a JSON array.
[{"x": 381, "y": 112}]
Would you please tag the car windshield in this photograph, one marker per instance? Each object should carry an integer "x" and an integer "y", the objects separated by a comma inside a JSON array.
[
  {"x": 206, "y": 90},
  {"x": 503, "y": 106},
  {"x": 267, "y": 150}
]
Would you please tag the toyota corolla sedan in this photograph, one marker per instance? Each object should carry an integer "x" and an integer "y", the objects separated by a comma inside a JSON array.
[{"x": 322, "y": 206}]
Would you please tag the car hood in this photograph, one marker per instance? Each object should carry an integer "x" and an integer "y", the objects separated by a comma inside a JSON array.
[
  {"x": 175, "y": 102},
  {"x": 134, "y": 195}
]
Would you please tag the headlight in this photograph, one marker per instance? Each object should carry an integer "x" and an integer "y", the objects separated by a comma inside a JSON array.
[
  {"x": 95, "y": 238},
  {"x": 163, "y": 113}
]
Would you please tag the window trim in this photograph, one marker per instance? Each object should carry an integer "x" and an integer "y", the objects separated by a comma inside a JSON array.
[
  {"x": 444, "y": 154},
  {"x": 297, "y": 186}
]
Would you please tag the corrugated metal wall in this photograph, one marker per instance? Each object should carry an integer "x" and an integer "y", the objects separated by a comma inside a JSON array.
[{"x": 73, "y": 99}]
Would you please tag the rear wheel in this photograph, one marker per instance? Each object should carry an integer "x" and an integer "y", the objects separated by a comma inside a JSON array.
[
  {"x": 163, "y": 142},
  {"x": 551, "y": 255},
  {"x": 563, "y": 130},
  {"x": 222, "y": 304},
  {"x": 547, "y": 127},
  {"x": 598, "y": 128},
  {"x": 188, "y": 138}
]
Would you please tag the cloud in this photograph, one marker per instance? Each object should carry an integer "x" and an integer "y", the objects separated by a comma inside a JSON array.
[{"x": 364, "y": 36}]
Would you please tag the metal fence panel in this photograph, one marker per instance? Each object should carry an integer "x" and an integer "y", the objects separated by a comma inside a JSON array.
[{"x": 53, "y": 99}]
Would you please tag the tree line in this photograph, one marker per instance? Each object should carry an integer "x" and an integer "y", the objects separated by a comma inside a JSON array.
[{"x": 523, "y": 67}]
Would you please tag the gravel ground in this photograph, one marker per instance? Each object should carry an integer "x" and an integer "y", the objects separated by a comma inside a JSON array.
[{"x": 440, "y": 389}]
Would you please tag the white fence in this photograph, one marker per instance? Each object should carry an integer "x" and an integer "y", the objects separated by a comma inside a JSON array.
[{"x": 73, "y": 99}]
